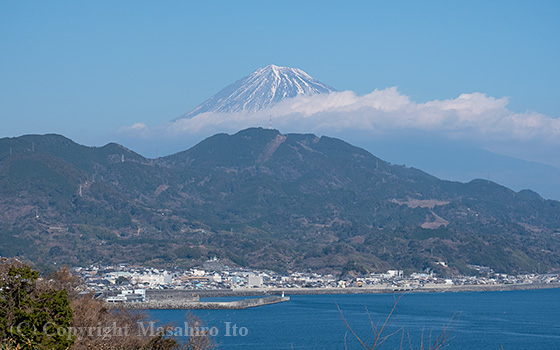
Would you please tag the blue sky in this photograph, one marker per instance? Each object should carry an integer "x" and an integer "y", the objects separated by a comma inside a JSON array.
[{"x": 86, "y": 69}]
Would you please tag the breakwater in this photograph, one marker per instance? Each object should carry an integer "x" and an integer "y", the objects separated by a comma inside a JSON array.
[
  {"x": 180, "y": 303},
  {"x": 190, "y": 299},
  {"x": 246, "y": 292}
]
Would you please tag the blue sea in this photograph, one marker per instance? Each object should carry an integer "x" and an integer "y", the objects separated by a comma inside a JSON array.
[{"x": 513, "y": 320}]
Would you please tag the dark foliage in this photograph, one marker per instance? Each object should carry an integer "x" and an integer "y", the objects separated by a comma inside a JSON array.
[{"x": 263, "y": 199}]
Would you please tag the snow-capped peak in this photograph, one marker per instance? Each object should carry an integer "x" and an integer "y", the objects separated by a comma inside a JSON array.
[{"x": 261, "y": 89}]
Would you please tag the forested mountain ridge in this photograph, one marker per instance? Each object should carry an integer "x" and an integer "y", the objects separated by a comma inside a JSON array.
[{"x": 262, "y": 199}]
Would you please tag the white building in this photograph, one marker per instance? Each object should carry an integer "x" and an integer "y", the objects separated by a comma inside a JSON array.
[
  {"x": 255, "y": 281},
  {"x": 198, "y": 273},
  {"x": 395, "y": 273},
  {"x": 153, "y": 279},
  {"x": 129, "y": 296}
]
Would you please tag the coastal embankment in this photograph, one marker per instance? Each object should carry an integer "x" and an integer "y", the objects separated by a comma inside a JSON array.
[
  {"x": 191, "y": 299},
  {"x": 426, "y": 288},
  {"x": 187, "y": 303}
]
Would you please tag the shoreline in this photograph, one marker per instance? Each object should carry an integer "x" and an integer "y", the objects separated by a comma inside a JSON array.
[
  {"x": 183, "y": 299},
  {"x": 429, "y": 288}
]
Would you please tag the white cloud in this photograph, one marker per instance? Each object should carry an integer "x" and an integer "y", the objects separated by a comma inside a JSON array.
[
  {"x": 136, "y": 129},
  {"x": 473, "y": 116}
]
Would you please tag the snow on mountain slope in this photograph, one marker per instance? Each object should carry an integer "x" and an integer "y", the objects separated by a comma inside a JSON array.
[{"x": 262, "y": 89}]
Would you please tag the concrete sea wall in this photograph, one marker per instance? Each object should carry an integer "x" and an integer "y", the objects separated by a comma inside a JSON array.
[{"x": 182, "y": 304}]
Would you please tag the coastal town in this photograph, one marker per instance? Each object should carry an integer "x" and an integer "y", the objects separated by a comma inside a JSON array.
[{"x": 214, "y": 276}]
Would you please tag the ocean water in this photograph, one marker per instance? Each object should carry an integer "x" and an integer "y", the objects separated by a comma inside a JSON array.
[{"x": 513, "y": 320}]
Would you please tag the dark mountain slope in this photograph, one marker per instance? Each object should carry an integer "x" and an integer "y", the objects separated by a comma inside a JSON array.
[{"x": 267, "y": 200}]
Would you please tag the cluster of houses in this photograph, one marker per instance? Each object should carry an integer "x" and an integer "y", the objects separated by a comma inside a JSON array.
[{"x": 213, "y": 275}]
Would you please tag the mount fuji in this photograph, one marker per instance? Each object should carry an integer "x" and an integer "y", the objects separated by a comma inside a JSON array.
[
  {"x": 261, "y": 89},
  {"x": 451, "y": 160}
]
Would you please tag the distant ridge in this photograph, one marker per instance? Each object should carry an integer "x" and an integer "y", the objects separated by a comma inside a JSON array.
[
  {"x": 260, "y": 90},
  {"x": 263, "y": 199}
]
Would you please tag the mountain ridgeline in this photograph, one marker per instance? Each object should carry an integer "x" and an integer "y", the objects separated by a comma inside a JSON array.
[{"x": 262, "y": 199}]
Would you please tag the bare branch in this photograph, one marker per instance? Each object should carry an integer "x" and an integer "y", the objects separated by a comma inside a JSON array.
[
  {"x": 386, "y": 321},
  {"x": 351, "y": 330},
  {"x": 379, "y": 338},
  {"x": 373, "y": 326}
]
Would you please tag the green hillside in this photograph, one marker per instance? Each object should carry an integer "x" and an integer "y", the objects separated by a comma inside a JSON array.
[{"x": 262, "y": 199}]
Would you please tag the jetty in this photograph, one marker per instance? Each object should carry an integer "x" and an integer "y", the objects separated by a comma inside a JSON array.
[{"x": 194, "y": 303}]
